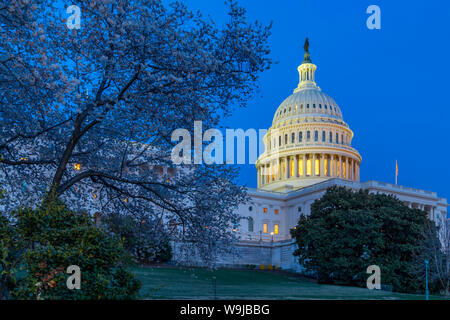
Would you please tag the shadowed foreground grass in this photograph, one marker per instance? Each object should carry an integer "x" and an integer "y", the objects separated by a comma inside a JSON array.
[{"x": 174, "y": 283}]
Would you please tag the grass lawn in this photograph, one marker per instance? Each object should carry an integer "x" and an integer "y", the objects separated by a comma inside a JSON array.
[{"x": 174, "y": 283}]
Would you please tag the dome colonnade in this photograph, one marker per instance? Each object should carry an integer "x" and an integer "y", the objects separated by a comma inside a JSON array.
[{"x": 308, "y": 141}]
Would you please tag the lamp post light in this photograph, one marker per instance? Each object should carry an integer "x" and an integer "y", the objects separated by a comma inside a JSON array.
[
  {"x": 272, "y": 236},
  {"x": 426, "y": 279}
]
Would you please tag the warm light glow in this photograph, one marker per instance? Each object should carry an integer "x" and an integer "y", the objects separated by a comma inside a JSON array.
[
  {"x": 273, "y": 173},
  {"x": 265, "y": 210},
  {"x": 284, "y": 168},
  {"x": 276, "y": 211},
  {"x": 292, "y": 168},
  {"x": 77, "y": 166},
  {"x": 265, "y": 227},
  {"x": 300, "y": 167},
  {"x": 326, "y": 166},
  {"x": 125, "y": 200},
  {"x": 317, "y": 167},
  {"x": 275, "y": 228}
]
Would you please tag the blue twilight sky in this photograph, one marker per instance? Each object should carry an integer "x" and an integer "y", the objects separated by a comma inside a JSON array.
[{"x": 391, "y": 84}]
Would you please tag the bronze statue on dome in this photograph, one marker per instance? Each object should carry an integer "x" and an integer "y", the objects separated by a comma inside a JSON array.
[{"x": 306, "y": 46}]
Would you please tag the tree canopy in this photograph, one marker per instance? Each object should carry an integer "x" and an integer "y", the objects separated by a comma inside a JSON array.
[
  {"x": 348, "y": 231},
  {"x": 87, "y": 114}
]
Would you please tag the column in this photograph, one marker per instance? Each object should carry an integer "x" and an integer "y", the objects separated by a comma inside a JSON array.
[
  {"x": 313, "y": 165},
  {"x": 322, "y": 165},
  {"x": 331, "y": 166},
  {"x": 346, "y": 168},
  {"x": 295, "y": 167},
  {"x": 304, "y": 165},
  {"x": 259, "y": 177},
  {"x": 278, "y": 170},
  {"x": 340, "y": 167},
  {"x": 357, "y": 172},
  {"x": 286, "y": 167}
]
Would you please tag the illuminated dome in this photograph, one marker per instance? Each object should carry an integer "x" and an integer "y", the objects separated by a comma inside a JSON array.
[
  {"x": 307, "y": 103},
  {"x": 309, "y": 142}
]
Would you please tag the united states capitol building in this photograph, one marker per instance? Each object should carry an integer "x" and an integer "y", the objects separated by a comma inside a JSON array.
[{"x": 308, "y": 148}]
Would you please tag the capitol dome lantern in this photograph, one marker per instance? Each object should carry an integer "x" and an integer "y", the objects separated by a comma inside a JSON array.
[{"x": 308, "y": 142}]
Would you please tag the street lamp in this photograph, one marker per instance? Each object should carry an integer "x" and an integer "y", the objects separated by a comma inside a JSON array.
[
  {"x": 272, "y": 235},
  {"x": 426, "y": 279}
]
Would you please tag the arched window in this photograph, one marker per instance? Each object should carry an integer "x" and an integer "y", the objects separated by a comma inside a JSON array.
[
  {"x": 342, "y": 139},
  {"x": 285, "y": 139},
  {"x": 337, "y": 137},
  {"x": 308, "y": 135},
  {"x": 292, "y": 137},
  {"x": 323, "y": 136},
  {"x": 279, "y": 141},
  {"x": 316, "y": 135},
  {"x": 250, "y": 224},
  {"x": 331, "y": 136},
  {"x": 300, "y": 136}
]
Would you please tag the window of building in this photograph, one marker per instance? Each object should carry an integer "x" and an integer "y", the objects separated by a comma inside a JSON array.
[
  {"x": 299, "y": 209},
  {"x": 292, "y": 137},
  {"x": 337, "y": 138},
  {"x": 316, "y": 135},
  {"x": 308, "y": 135},
  {"x": 250, "y": 224},
  {"x": 300, "y": 136},
  {"x": 300, "y": 167},
  {"x": 331, "y": 136},
  {"x": 279, "y": 141},
  {"x": 314, "y": 105},
  {"x": 276, "y": 229},
  {"x": 250, "y": 208},
  {"x": 285, "y": 139},
  {"x": 276, "y": 211},
  {"x": 344, "y": 170},
  {"x": 265, "y": 210},
  {"x": 317, "y": 167},
  {"x": 342, "y": 138},
  {"x": 265, "y": 227},
  {"x": 323, "y": 136},
  {"x": 326, "y": 107},
  {"x": 320, "y": 106},
  {"x": 307, "y": 106}
]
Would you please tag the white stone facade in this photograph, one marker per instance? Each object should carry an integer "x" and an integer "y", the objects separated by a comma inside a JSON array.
[{"x": 307, "y": 149}]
